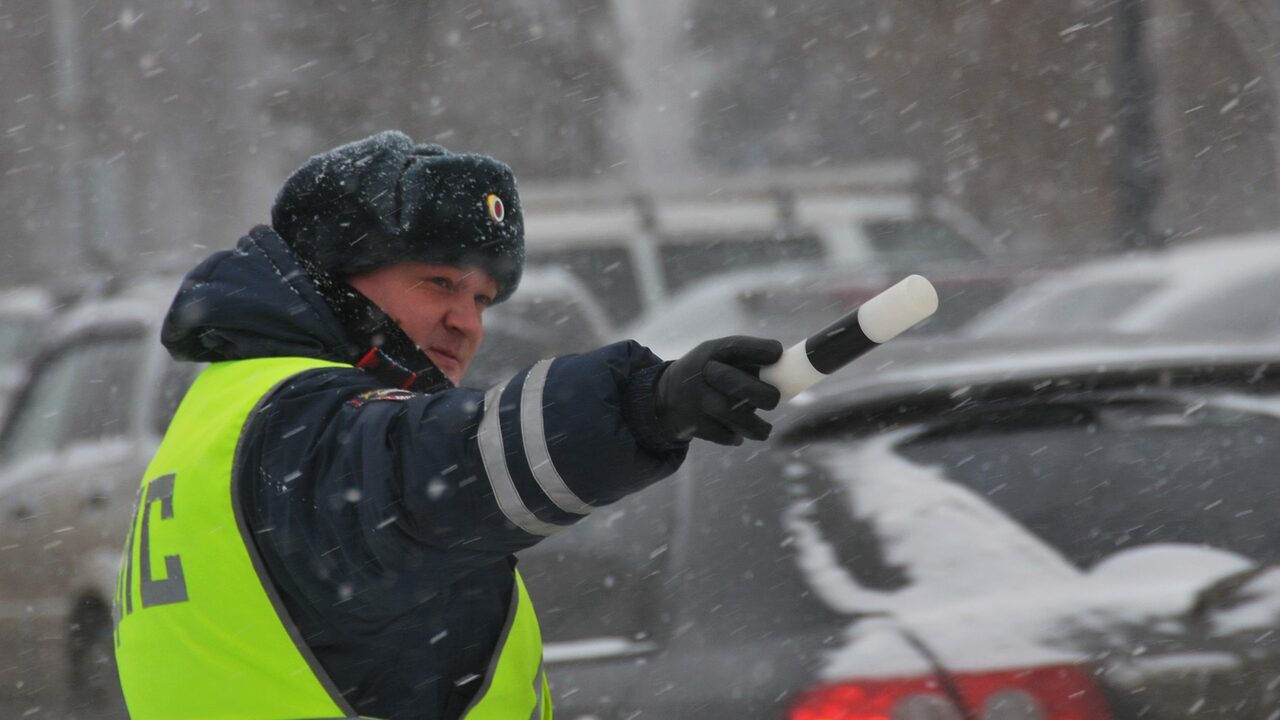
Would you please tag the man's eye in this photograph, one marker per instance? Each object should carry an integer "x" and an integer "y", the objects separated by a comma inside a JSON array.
[
  {"x": 442, "y": 282},
  {"x": 484, "y": 300}
]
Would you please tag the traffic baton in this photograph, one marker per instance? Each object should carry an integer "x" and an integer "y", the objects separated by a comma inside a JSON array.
[{"x": 865, "y": 328}]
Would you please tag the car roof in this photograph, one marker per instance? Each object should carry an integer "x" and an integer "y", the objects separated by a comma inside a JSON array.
[
  {"x": 905, "y": 369},
  {"x": 1187, "y": 270}
]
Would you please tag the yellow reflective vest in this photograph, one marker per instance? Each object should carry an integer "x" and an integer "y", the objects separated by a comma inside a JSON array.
[{"x": 200, "y": 633}]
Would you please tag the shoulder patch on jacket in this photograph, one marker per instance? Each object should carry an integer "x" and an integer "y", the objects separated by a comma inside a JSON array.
[{"x": 381, "y": 394}]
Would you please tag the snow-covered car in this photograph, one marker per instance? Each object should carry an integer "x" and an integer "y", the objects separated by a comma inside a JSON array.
[
  {"x": 81, "y": 430},
  {"x": 947, "y": 529},
  {"x": 1221, "y": 287}
]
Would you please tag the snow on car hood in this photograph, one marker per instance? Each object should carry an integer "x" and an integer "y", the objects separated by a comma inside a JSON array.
[{"x": 984, "y": 593}]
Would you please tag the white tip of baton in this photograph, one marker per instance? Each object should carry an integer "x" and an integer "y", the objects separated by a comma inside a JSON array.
[
  {"x": 897, "y": 309},
  {"x": 792, "y": 374}
]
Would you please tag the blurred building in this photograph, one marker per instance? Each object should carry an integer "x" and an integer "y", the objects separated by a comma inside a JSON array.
[
  {"x": 138, "y": 129},
  {"x": 148, "y": 128},
  {"x": 1016, "y": 107}
]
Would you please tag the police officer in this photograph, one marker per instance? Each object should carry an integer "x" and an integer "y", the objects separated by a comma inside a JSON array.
[{"x": 327, "y": 529}]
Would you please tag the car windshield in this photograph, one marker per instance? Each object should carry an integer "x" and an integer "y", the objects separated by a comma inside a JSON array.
[{"x": 81, "y": 394}]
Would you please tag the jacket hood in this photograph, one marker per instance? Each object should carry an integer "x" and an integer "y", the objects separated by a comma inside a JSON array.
[{"x": 253, "y": 301}]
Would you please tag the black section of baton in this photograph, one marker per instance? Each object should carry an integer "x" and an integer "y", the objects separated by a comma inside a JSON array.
[{"x": 837, "y": 344}]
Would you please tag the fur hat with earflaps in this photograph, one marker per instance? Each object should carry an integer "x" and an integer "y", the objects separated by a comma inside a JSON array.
[{"x": 383, "y": 200}]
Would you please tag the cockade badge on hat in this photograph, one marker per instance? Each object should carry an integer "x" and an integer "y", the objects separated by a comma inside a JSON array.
[{"x": 497, "y": 210}]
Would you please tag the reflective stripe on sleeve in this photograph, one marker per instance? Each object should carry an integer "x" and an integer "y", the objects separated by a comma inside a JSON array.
[
  {"x": 494, "y": 458},
  {"x": 534, "y": 436}
]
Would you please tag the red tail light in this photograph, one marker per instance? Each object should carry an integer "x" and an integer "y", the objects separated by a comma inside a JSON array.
[
  {"x": 875, "y": 700},
  {"x": 1046, "y": 693}
]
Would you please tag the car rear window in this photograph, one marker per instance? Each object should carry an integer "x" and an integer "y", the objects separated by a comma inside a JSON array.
[{"x": 1092, "y": 477}]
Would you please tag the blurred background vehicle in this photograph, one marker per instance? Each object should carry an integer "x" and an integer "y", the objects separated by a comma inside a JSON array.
[
  {"x": 552, "y": 314},
  {"x": 75, "y": 443},
  {"x": 636, "y": 246},
  {"x": 24, "y": 313},
  {"x": 1220, "y": 288},
  {"x": 949, "y": 529}
]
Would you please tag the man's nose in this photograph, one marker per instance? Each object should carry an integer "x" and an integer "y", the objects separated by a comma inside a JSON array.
[{"x": 464, "y": 316}]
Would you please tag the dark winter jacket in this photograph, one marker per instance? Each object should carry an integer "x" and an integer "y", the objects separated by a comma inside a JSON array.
[{"x": 375, "y": 510}]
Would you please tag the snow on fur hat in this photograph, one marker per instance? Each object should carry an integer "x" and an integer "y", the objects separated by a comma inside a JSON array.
[{"x": 383, "y": 200}]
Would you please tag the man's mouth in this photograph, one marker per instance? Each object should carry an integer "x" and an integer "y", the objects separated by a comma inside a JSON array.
[{"x": 449, "y": 358}]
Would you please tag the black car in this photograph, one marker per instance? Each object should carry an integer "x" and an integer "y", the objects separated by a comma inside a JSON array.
[{"x": 948, "y": 530}]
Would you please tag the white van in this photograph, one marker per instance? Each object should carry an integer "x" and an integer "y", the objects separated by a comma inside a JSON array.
[{"x": 634, "y": 246}]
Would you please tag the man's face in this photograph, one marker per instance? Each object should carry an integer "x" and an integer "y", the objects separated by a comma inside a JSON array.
[{"x": 438, "y": 306}]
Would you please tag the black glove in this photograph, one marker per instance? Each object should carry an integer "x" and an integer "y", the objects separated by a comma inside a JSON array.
[{"x": 714, "y": 391}]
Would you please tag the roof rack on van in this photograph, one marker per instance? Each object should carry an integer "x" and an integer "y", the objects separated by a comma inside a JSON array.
[{"x": 888, "y": 176}]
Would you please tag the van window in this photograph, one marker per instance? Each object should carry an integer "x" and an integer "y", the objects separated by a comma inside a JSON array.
[
  {"x": 686, "y": 260},
  {"x": 919, "y": 239},
  {"x": 609, "y": 272}
]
